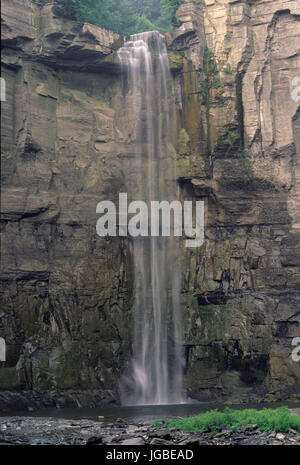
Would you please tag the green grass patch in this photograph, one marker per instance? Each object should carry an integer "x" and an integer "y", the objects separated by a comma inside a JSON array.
[{"x": 279, "y": 420}]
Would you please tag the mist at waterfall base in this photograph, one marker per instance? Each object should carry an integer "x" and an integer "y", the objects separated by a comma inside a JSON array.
[{"x": 155, "y": 376}]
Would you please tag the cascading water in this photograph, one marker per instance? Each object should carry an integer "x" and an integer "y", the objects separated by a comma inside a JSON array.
[{"x": 157, "y": 363}]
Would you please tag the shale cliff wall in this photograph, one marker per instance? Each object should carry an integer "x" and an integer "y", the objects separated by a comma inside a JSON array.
[
  {"x": 242, "y": 288},
  {"x": 65, "y": 293}
]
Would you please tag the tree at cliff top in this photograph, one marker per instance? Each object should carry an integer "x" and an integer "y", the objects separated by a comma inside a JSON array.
[{"x": 126, "y": 16}]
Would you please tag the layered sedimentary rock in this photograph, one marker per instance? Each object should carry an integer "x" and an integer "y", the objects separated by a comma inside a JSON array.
[
  {"x": 67, "y": 294},
  {"x": 243, "y": 286},
  {"x": 65, "y": 291}
]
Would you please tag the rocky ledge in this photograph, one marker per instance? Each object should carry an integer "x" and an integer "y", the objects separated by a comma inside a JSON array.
[{"x": 51, "y": 431}]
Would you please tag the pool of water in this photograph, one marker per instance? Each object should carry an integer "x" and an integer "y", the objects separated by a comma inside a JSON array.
[{"x": 137, "y": 414}]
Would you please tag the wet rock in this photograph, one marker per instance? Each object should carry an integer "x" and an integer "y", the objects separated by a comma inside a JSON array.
[
  {"x": 70, "y": 146},
  {"x": 223, "y": 433},
  {"x": 94, "y": 441},
  {"x": 192, "y": 441},
  {"x": 248, "y": 428},
  {"x": 61, "y": 431},
  {"x": 161, "y": 442},
  {"x": 162, "y": 434},
  {"x": 133, "y": 442}
]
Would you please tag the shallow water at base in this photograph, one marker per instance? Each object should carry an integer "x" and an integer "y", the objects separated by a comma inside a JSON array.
[{"x": 139, "y": 414}]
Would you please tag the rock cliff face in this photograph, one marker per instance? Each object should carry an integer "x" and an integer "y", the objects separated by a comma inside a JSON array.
[
  {"x": 243, "y": 286},
  {"x": 66, "y": 293},
  {"x": 64, "y": 290}
]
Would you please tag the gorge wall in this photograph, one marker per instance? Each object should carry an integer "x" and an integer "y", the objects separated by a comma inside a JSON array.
[{"x": 66, "y": 294}]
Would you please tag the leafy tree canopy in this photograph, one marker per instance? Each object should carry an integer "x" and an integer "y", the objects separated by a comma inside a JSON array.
[{"x": 126, "y": 16}]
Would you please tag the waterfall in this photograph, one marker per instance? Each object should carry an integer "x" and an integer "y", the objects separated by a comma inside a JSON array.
[{"x": 148, "y": 101}]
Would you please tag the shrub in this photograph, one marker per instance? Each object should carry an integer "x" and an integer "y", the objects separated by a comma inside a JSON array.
[{"x": 279, "y": 420}]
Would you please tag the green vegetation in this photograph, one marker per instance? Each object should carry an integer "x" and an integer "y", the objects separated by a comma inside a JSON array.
[
  {"x": 279, "y": 420},
  {"x": 126, "y": 16},
  {"x": 248, "y": 159},
  {"x": 211, "y": 79},
  {"x": 229, "y": 140},
  {"x": 210, "y": 82},
  {"x": 228, "y": 69}
]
